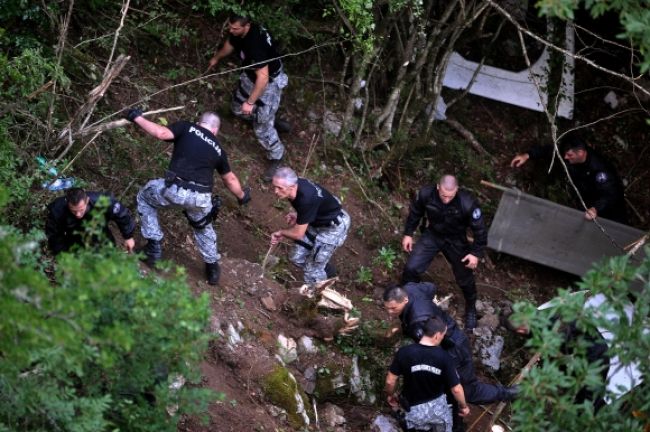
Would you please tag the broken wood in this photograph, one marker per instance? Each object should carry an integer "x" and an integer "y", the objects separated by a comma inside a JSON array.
[
  {"x": 469, "y": 136},
  {"x": 497, "y": 412},
  {"x": 119, "y": 123}
]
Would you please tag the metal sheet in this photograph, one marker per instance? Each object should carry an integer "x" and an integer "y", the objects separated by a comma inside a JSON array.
[{"x": 554, "y": 235}]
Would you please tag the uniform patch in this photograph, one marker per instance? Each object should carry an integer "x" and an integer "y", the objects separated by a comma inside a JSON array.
[
  {"x": 116, "y": 208},
  {"x": 476, "y": 214},
  {"x": 601, "y": 177}
]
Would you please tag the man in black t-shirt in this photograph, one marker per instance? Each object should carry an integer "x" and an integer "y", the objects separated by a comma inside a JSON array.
[
  {"x": 259, "y": 91},
  {"x": 595, "y": 177},
  {"x": 428, "y": 373},
  {"x": 318, "y": 226},
  {"x": 66, "y": 216},
  {"x": 413, "y": 304},
  {"x": 188, "y": 185}
]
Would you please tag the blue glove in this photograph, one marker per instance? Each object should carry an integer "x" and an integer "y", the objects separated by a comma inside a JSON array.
[{"x": 133, "y": 114}]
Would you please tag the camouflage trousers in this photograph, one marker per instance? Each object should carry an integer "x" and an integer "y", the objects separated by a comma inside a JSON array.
[
  {"x": 155, "y": 195},
  {"x": 434, "y": 416},
  {"x": 315, "y": 249},
  {"x": 264, "y": 114}
]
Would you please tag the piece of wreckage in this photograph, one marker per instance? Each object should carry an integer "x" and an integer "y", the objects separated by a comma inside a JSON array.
[{"x": 329, "y": 303}]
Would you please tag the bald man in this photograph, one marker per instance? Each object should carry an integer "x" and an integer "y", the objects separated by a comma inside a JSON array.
[
  {"x": 448, "y": 212},
  {"x": 187, "y": 185}
]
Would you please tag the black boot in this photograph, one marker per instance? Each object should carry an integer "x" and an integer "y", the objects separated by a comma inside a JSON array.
[
  {"x": 153, "y": 252},
  {"x": 330, "y": 270},
  {"x": 212, "y": 272},
  {"x": 282, "y": 126},
  {"x": 470, "y": 314},
  {"x": 270, "y": 171},
  {"x": 510, "y": 393}
]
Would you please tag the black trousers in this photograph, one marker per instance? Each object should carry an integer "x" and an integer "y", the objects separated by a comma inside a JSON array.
[
  {"x": 476, "y": 392},
  {"x": 454, "y": 249}
]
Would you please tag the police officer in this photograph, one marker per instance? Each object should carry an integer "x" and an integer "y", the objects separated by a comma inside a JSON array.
[
  {"x": 413, "y": 304},
  {"x": 318, "y": 226},
  {"x": 428, "y": 373},
  {"x": 188, "y": 185},
  {"x": 595, "y": 177},
  {"x": 67, "y": 215},
  {"x": 449, "y": 212},
  {"x": 260, "y": 85}
]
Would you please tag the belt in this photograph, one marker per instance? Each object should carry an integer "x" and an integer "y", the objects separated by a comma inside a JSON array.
[
  {"x": 190, "y": 185},
  {"x": 334, "y": 222}
]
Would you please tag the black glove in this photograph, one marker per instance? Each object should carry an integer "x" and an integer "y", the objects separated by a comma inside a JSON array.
[
  {"x": 247, "y": 196},
  {"x": 132, "y": 114}
]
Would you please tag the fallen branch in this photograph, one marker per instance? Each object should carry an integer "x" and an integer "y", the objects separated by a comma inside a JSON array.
[
  {"x": 470, "y": 137},
  {"x": 515, "y": 381},
  {"x": 119, "y": 123},
  {"x": 266, "y": 257},
  {"x": 314, "y": 139},
  {"x": 93, "y": 98}
]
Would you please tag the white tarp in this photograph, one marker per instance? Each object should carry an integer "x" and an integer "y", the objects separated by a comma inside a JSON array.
[{"x": 515, "y": 88}]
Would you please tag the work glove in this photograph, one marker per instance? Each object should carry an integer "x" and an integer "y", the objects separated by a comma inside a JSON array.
[
  {"x": 246, "y": 198},
  {"x": 132, "y": 114}
]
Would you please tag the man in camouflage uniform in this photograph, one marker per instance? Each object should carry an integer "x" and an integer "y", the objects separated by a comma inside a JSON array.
[
  {"x": 259, "y": 91},
  {"x": 429, "y": 373},
  {"x": 188, "y": 185},
  {"x": 318, "y": 226}
]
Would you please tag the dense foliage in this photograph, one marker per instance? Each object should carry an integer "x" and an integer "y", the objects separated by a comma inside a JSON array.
[
  {"x": 97, "y": 347},
  {"x": 549, "y": 389}
]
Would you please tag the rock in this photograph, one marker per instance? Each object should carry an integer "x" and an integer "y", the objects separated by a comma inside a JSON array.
[
  {"x": 271, "y": 261},
  {"x": 484, "y": 307},
  {"x": 384, "y": 423},
  {"x": 332, "y": 416},
  {"x": 611, "y": 99},
  {"x": 306, "y": 345},
  {"x": 489, "y": 320},
  {"x": 277, "y": 412},
  {"x": 360, "y": 383},
  {"x": 311, "y": 376},
  {"x": 281, "y": 389},
  {"x": 490, "y": 352},
  {"x": 233, "y": 336},
  {"x": 215, "y": 326},
  {"x": 287, "y": 349},
  {"x": 311, "y": 115},
  {"x": 268, "y": 303},
  {"x": 332, "y": 123}
]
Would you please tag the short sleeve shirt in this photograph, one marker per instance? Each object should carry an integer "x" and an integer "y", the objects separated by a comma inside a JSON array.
[
  {"x": 197, "y": 153},
  {"x": 257, "y": 46},
  {"x": 427, "y": 371},
  {"x": 314, "y": 204}
]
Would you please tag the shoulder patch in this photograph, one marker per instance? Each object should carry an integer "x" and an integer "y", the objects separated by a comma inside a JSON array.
[
  {"x": 116, "y": 208},
  {"x": 601, "y": 177},
  {"x": 476, "y": 214}
]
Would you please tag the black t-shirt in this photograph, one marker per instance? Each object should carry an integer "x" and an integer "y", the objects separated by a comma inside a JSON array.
[
  {"x": 197, "y": 154},
  {"x": 428, "y": 371},
  {"x": 257, "y": 46},
  {"x": 314, "y": 204}
]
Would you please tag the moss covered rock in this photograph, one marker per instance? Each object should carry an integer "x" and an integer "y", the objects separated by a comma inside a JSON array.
[{"x": 281, "y": 389}]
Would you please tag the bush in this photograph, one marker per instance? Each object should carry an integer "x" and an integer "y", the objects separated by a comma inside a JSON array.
[
  {"x": 98, "y": 347},
  {"x": 548, "y": 392}
]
